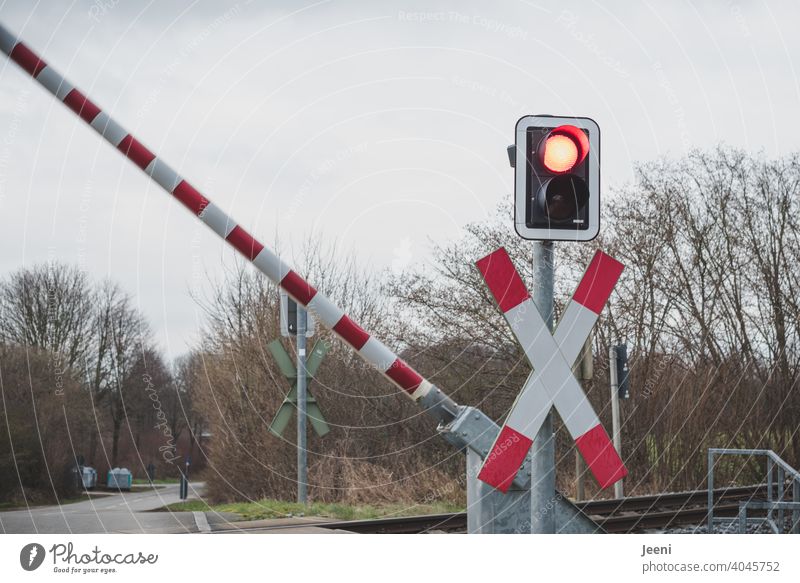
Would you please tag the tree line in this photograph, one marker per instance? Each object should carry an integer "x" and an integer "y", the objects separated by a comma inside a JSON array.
[
  {"x": 82, "y": 382},
  {"x": 707, "y": 304}
]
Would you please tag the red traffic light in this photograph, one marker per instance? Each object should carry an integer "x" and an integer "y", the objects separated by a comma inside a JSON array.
[
  {"x": 563, "y": 148},
  {"x": 560, "y": 153},
  {"x": 556, "y": 180}
]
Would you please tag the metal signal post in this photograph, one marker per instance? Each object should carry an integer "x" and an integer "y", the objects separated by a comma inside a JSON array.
[
  {"x": 615, "y": 418},
  {"x": 302, "y": 453},
  {"x": 543, "y": 456}
]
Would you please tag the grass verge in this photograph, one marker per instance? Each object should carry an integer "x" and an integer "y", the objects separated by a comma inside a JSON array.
[{"x": 267, "y": 508}]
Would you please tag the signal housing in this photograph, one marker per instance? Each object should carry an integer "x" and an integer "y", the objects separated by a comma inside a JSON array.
[{"x": 557, "y": 183}]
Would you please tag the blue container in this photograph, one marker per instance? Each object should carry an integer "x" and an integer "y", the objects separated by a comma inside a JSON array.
[{"x": 119, "y": 479}]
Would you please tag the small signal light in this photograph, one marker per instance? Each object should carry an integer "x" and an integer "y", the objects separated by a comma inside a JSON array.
[
  {"x": 564, "y": 148},
  {"x": 560, "y": 154}
]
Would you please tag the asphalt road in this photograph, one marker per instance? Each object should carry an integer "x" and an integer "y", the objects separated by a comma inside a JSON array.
[{"x": 119, "y": 512}]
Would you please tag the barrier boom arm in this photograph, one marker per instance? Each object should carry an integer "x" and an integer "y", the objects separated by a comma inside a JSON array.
[{"x": 367, "y": 346}]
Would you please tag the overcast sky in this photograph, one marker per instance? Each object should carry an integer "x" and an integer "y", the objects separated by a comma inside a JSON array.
[{"x": 380, "y": 124}]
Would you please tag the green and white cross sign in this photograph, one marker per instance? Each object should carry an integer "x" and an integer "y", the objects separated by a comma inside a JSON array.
[{"x": 289, "y": 405}]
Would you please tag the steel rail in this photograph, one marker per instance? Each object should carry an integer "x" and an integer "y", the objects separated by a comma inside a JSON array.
[{"x": 614, "y": 516}]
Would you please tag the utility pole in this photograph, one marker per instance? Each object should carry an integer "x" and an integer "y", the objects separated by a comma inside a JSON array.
[
  {"x": 302, "y": 459},
  {"x": 615, "y": 421},
  {"x": 543, "y": 456}
]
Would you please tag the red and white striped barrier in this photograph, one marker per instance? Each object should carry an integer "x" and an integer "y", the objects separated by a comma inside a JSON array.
[
  {"x": 368, "y": 347},
  {"x": 552, "y": 382}
]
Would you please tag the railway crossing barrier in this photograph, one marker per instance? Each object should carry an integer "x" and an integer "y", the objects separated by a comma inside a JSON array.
[
  {"x": 368, "y": 347},
  {"x": 466, "y": 428}
]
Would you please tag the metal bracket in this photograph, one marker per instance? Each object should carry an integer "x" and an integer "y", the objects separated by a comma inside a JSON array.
[
  {"x": 473, "y": 429},
  {"x": 489, "y": 510}
]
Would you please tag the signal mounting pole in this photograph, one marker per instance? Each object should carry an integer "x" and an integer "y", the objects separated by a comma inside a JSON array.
[
  {"x": 543, "y": 455},
  {"x": 615, "y": 417},
  {"x": 302, "y": 453}
]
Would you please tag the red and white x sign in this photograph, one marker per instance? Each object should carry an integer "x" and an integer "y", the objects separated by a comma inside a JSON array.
[{"x": 552, "y": 382}]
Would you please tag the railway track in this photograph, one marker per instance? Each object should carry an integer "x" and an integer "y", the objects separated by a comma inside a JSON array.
[
  {"x": 639, "y": 513},
  {"x": 625, "y": 515}
]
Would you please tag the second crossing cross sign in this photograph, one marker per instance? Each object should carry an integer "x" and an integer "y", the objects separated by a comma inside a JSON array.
[
  {"x": 289, "y": 404},
  {"x": 552, "y": 383}
]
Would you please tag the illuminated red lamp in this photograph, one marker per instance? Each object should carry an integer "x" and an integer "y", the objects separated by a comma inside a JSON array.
[{"x": 564, "y": 148}]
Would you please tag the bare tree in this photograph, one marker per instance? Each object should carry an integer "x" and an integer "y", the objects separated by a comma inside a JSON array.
[
  {"x": 237, "y": 388},
  {"x": 129, "y": 339},
  {"x": 107, "y": 299},
  {"x": 179, "y": 400},
  {"x": 40, "y": 429},
  {"x": 48, "y": 306},
  {"x": 88, "y": 350}
]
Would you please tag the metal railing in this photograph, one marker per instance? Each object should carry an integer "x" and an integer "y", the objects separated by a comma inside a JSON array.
[{"x": 776, "y": 492}]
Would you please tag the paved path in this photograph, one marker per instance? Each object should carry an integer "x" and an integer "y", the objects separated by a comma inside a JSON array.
[{"x": 121, "y": 512}]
